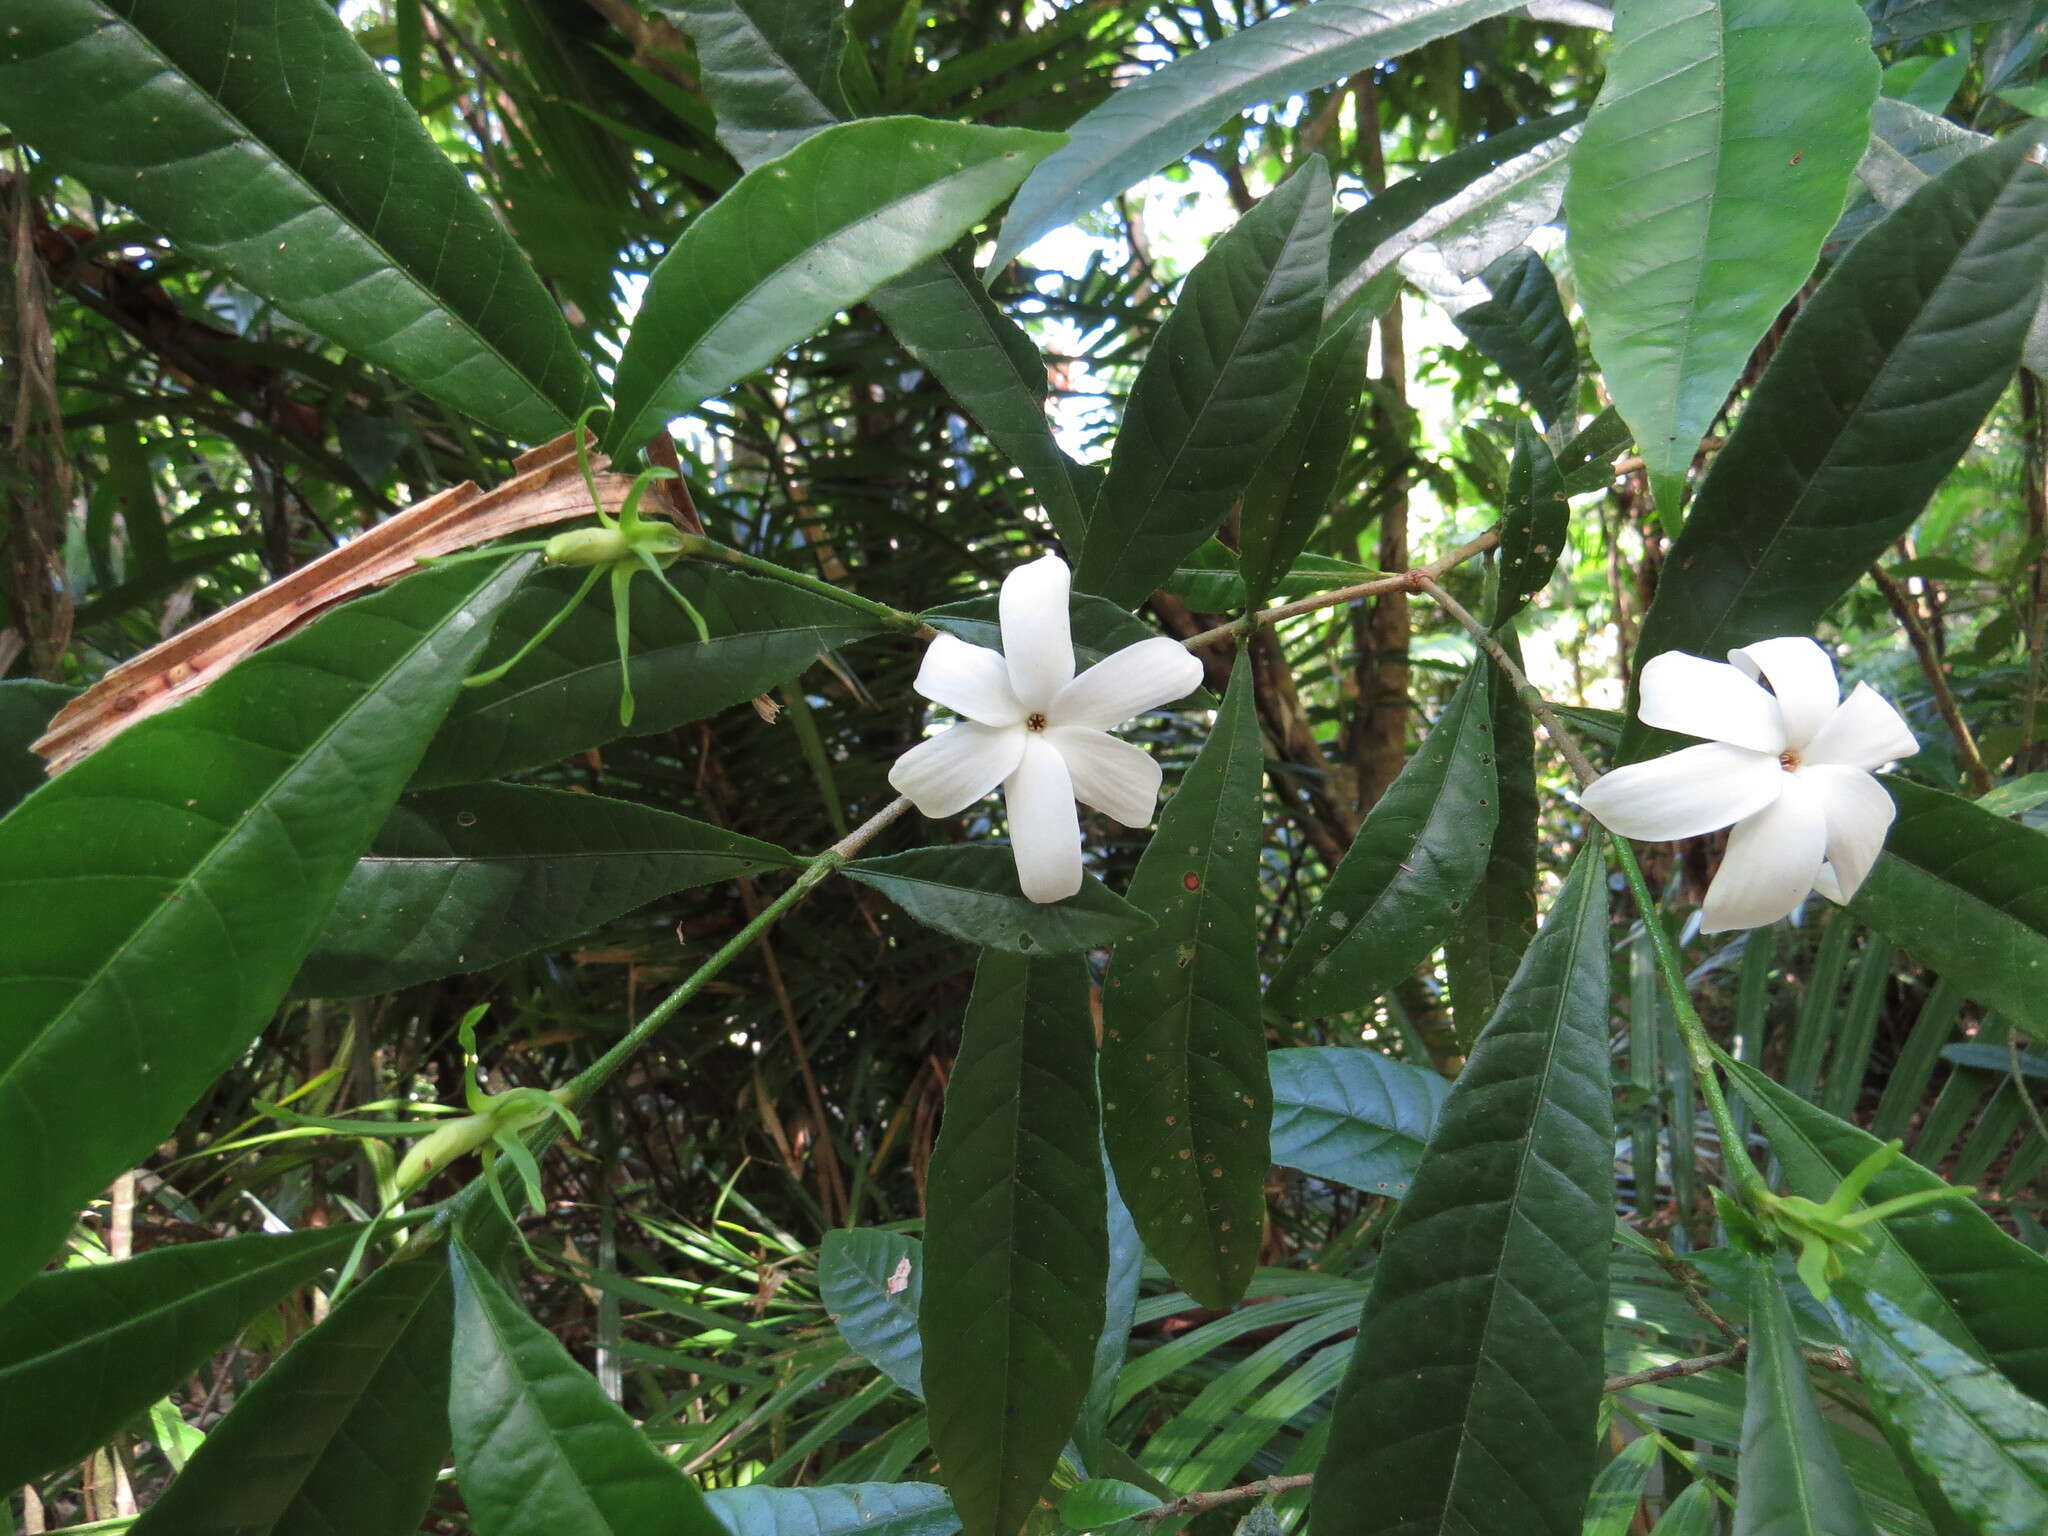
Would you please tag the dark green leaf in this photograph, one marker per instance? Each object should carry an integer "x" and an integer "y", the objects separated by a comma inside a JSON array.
[
  {"x": 261, "y": 139},
  {"x": 1412, "y": 868},
  {"x": 180, "y": 872},
  {"x": 347, "y": 1432},
  {"x": 1996, "y": 1058},
  {"x": 1185, "y": 1094},
  {"x": 770, "y": 67},
  {"x": 970, "y": 891},
  {"x": 462, "y": 879},
  {"x": 1471, "y": 1399},
  {"x": 539, "y": 1449},
  {"x": 85, "y": 1349},
  {"x": 1215, "y": 393},
  {"x": 1713, "y": 165},
  {"x": 1618, "y": 1490},
  {"x": 1157, "y": 118},
  {"x": 1119, "y": 1312},
  {"x": 871, "y": 1283},
  {"x": 1534, "y": 527},
  {"x": 1103, "y": 1501},
  {"x": 844, "y": 1509},
  {"x": 1524, "y": 329},
  {"x": 1207, "y": 579},
  {"x": 1014, "y": 1239},
  {"x": 1353, "y": 1116},
  {"x": 1905, "y": 21},
  {"x": 26, "y": 706},
  {"x": 1874, "y": 394},
  {"x": 798, "y": 239}
]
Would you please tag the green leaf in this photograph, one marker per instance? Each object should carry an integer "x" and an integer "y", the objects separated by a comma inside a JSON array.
[
  {"x": 970, "y": 891},
  {"x": 1353, "y": 1116},
  {"x": 1207, "y": 578},
  {"x": 796, "y": 240},
  {"x": 565, "y": 696},
  {"x": 1695, "y": 1512},
  {"x": 1289, "y": 495},
  {"x": 539, "y": 1448},
  {"x": 347, "y": 1432},
  {"x": 1524, "y": 329},
  {"x": 262, "y": 139},
  {"x": 1966, "y": 891},
  {"x": 770, "y": 67},
  {"x": 180, "y": 872},
  {"x": 1412, "y": 868},
  {"x": 843, "y": 1509},
  {"x": 86, "y": 1349},
  {"x": 1789, "y": 1477},
  {"x": 1185, "y": 1094},
  {"x": 1159, "y": 117},
  {"x": 1905, "y": 21},
  {"x": 1949, "y": 1265},
  {"x": 1967, "y": 1427},
  {"x": 1535, "y": 527},
  {"x": 1476, "y": 1381},
  {"x": 1014, "y": 1239},
  {"x": 26, "y": 705},
  {"x": 1120, "y": 1308},
  {"x": 1216, "y": 391},
  {"x": 1996, "y": 1058},
  {"x": 1103, "y": 1501},
  {"x": 1715, "y": 162},
  {"x": 1618, "y": 1490},
  {"x": 871, "y": 1283},
  {"x": 459, "y": 880},
  {"x": 1875, "y": 392}
]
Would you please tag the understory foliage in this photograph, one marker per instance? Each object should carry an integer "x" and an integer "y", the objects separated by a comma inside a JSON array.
[{"x": 485, "y": 1048}]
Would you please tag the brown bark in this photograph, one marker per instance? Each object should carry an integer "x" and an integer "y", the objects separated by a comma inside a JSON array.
[{"x": 35, "y": 471}]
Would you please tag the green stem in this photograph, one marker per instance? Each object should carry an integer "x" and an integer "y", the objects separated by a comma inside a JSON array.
[{"x": 696, "y": 546}]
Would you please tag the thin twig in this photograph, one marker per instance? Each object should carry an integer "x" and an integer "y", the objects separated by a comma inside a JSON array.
[
  {"x": 1691, "y": 1366},
  {"x": 1937, "y": 678},
  {"x": 1197, "y": 1503},
  {"x": 1696, "y": 1298}
]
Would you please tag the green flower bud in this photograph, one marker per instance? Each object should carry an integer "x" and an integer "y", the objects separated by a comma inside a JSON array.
[
  {"x": 431, "y": 1153},
  {"x": 588, "y": 546}
]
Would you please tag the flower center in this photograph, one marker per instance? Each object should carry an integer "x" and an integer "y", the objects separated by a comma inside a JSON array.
[
  {"x": 1034, "y": 722},
  {"x": 1789, "y": 761}
]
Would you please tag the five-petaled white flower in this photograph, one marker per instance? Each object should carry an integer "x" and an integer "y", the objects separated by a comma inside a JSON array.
[
  {"x": 1039, "y": 731},
  {"x": 1789, "y": 769}
]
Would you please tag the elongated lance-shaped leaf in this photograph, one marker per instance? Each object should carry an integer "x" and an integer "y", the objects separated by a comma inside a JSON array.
[
  {"x": 1352, "y": 1115},
  {"x": 1015, "y": 1242},
  {"x": 26, "y": 705},
  {"x": 346, "y": 1433},
  {"x": 1186, "y": 1100},
  {"x": 85, "y": 1350},
  {"x": 1618, "y": 1490},
  {"x": 1218, "y": 387},
  {"x": 179, "y": 873},
  {"x": 1409, "y": 872},
  {"x": 1874, "y": 394},
  {"x": 837, "y": 1509},
  {"x": 539, "y": 1448},
  {"x": 1789, "y": 1478},
  {"x": 1533, "y": 528},
  {"x": 1523, "y": 327},
  {"x": 260, "y": 138},
  {"x": 1715, "y": 162},
  {"x": 770, "y": 67},
  {"x": 1981, "y": 1439},
  {"x": 872, "y": 1283},
  {"x": 1905, "y": 21},
  {"x": 1119, "y": 1312},
  {"x": 1948, "y": 1265},
  {"x": 796, "y": 240},
  {"x": 971, "y": 892},
  {"x": 1159, "y": 117},
  {"x": 1470, "y": 1401},
  {"x": 462, "y": 879}
]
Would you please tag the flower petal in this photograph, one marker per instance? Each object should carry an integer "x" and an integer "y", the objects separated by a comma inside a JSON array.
[
  {"x": 1137, "y": 678},
  {"x": 1859, "y": 814},
  {"x": 971, "y": 680},
  {"x": 950, "y": 771},
  {"x": 1116, "y": 778},
  {"x": 1802, "y": 677},
  {"x": 1045, "y": 829},
  {"x": 1773, "y": 859},
  {"x": 1699, "y": 789},
  {"x": 1036, "y": 639},
  {"x": 1686, "y": 693},
  {"x": 1825, "y": 884},
  {"x": 1865, "y": 732}
]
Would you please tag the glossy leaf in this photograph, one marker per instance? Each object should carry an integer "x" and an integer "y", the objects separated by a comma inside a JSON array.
[
  {"x": 1014, "y": 1240},
  {"x": 1186, "y": 1099},
  {"x": 970, "y": 891},
  {"x": 1695, "y": 1512},
  {"x": 871, "y": 1283},
  {"x": 262, "y": 139},
  {"x": 1982, "y": 1441},
  {"x": 1789, "y": 1478},
  {"x": 1618, "y": 1490},
  {"x": 1965, "y": 891},
  {"x": 84, "y": 1350},
  {"x": 347, "y": 1432},
  {"x": 798, "y": 239},
  {"x": 1412, "y": 868},
  {"x": 1216, "y": 391},
  {"x": 1534, "y": 527},
  {"x": 1207, "y": 579},
  {"x": 565, "y": 696},
  {"x": 1523, "y": 328},
  {"x": 1119, "y": 1313},
  {"x": 770, "y": 67},
  {"x": 1948, "y": 1265},
  {"x": 1159, "y": 117},
  {"x": 1713, "y": 165},
  {"x": 1875, "y": 392},
  {"x": 1471, "y": 1398},
  {"x": 26, "y": 705},
  {"x": 1353, "y": 1116},
  {"x": 539, "y": 1448},
  {"x": 837, "y": 1509},
  {"x": 1103, "y": 1501},
  {"x": 180, "y": 872},
  {"x": 459, "y": 880}
]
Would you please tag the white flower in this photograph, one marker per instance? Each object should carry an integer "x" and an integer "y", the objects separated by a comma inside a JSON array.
[
  {"x": 1789, "y": 769},
  {"x": 1041, "y": 732}
]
